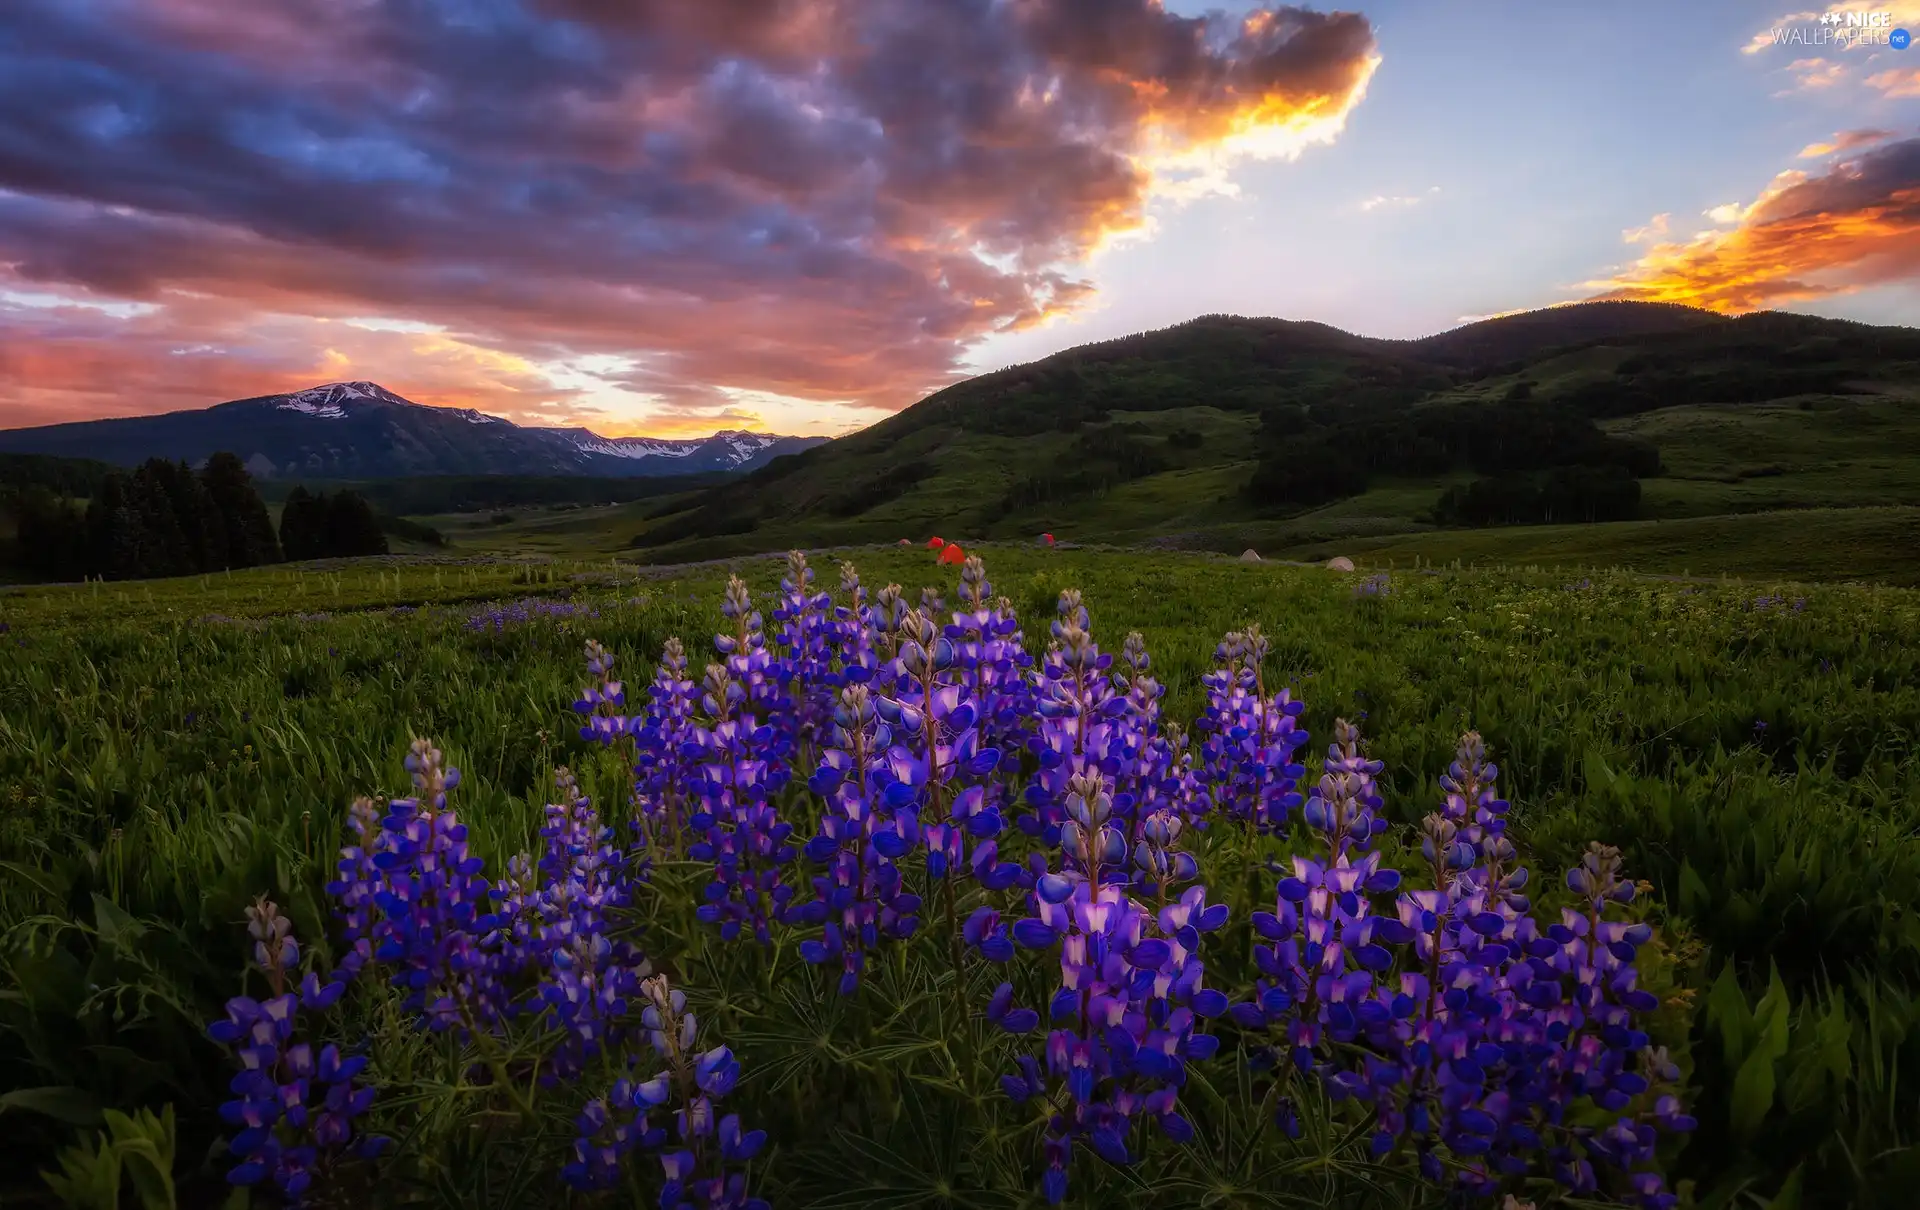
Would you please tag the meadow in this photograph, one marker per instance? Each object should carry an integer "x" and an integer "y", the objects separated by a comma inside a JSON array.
[{"x": 171, "y": 750}]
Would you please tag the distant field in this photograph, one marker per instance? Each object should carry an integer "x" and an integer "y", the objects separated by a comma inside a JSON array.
[{"x": 1868, "y": 544}]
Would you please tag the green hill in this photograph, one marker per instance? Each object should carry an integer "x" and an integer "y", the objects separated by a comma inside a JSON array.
[{"x": 1226, "y": 432}]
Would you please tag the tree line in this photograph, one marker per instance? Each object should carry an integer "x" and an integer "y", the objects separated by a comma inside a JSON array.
[
  {"x": 166, "y": 519},
  {"x": 1314, "y": 456},
  {"x": 323, "y": 526}
]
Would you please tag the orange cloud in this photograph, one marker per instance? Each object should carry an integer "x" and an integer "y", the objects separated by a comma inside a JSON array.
[
  {"x": 1900, "y": 82},
  {"x": 1815, "y": 73},
  {"x": 1656, "y": 229},
  {"x": 1805, "y": 237},
  {"x": 1844, "y": 140},
  {"x": 678, "y": 212}
]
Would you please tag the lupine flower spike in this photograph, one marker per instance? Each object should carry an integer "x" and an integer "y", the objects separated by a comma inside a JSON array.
[{"x": 294, "y": 1106}]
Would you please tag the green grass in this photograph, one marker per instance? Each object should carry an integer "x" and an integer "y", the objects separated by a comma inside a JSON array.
[
  {"x": 176, "y": 747},
  {"x": 1865, "y": 544}
]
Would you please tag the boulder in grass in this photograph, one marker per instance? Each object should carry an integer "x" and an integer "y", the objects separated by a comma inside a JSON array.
[
  {"x": 1340, "y": 563},
  {"x": 1249, "y": 555}
]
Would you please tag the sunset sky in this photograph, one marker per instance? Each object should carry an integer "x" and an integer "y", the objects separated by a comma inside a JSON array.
[{"x": 672, "y": 216}]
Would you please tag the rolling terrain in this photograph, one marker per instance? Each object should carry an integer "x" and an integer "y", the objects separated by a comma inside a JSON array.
[{"x": 1214, "y": 435}]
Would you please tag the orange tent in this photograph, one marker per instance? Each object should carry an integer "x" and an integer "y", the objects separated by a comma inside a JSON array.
[{"x": 953, "y": 554}]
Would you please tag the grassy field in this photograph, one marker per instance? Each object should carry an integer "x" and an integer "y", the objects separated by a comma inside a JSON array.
[{"x": 170, "y": 749}]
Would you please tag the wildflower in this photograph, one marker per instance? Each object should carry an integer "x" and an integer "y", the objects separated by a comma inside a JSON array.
[
  {"x": 1467, "y": 1026},
  {"x": 861, "y": 898},
  {"x": 586, "y": 975},
  {"x": 294, "y": 1107},
  {"x": 602, "y": 701},
  {"x": 1249, "y": 738},
  {"x": 433, "y": 901},
  {"x": 1128, "y": 1003},
  {"x": 742, "y": 835}
]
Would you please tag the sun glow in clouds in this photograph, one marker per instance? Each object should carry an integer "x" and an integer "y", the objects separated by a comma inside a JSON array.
[
  {"x": 1804, "y": 237},
  {"x": 747, "y": 205}
]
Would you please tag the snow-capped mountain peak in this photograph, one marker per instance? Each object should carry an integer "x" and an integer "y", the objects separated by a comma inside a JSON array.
[{"x": 329, "y": 401}]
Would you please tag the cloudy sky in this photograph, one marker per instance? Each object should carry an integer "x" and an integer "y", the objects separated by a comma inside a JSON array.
[{"x": 671, "y": 216}]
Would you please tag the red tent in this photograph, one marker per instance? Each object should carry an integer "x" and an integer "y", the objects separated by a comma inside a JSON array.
[
  {"x": 1047, "y": 538},
  {"x": 935, "y": 543},
  {"x": 953, "y": 554}
]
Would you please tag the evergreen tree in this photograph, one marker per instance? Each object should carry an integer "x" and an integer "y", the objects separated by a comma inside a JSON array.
[
  {"x": 352, "y": 527},
  {"x": 164, "y": 545},
  {"x": 249, "y": 530},
  {"x": 51, "y": 535},
  {"x": 201, "y": 525},
  {"x": 115, "y": 537},
  {"x": 303, "y": 525}
]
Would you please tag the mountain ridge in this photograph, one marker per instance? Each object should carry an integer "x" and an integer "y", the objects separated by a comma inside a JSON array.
[
  {"x": 360, "y": 429},
  {"x": 1224, "y": 427}
]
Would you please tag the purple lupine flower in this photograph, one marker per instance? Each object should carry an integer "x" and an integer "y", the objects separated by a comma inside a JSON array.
[
  {"x": 751, "y": 665},
  {"x": 806, "y": 653},
  {"x": 1468, "y": 1028},
  {"x": 849, "y": 632},
  {"x": 434, "y": 903},
  {"x": 563, "y": 930},
  {"x": 357, "y": 888},
  {"x": 700, "y": 1159},
  {"x": 294, "y": 1107},
  {"x": 662, "y": 735},
  {"x": 1079, "y": 714},
  {"x": 992, "y": 659},
  {"x": 741, "y": 763},
  {"x": 1249, "y": 739},
  {"x": 604, "y": 701},
  {"x": 861, "y": 898},
  {"x": 500, "y": 617},
  {"x": 938, "y": 768},
  {"x": 1128, "y": 1003}
]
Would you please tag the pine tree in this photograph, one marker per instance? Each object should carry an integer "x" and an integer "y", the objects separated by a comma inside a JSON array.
[
  {"x": 303, "y": 525},
  {"x": 352, "y": 527},
  {"x": 115, "y": 537},
  {"x": 200, "y": 522},
  {"x": 165, "y": 549},
  {"x": 51, "y": 535},
  {"x": 249, "y": 530}
]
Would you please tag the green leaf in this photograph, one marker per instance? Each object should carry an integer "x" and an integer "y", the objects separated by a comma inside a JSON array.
[
  {"x": 1599, "y": 776},
  {"x": 1753, "y": 1084},
  {"x": 73, "y": 1106},
  {"x": 1695, "y": 898},
  {"x": 1727, "y": 1014},
  {"x": 112, "y": 922},
  {"x": 1771, "y": 1016}
]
